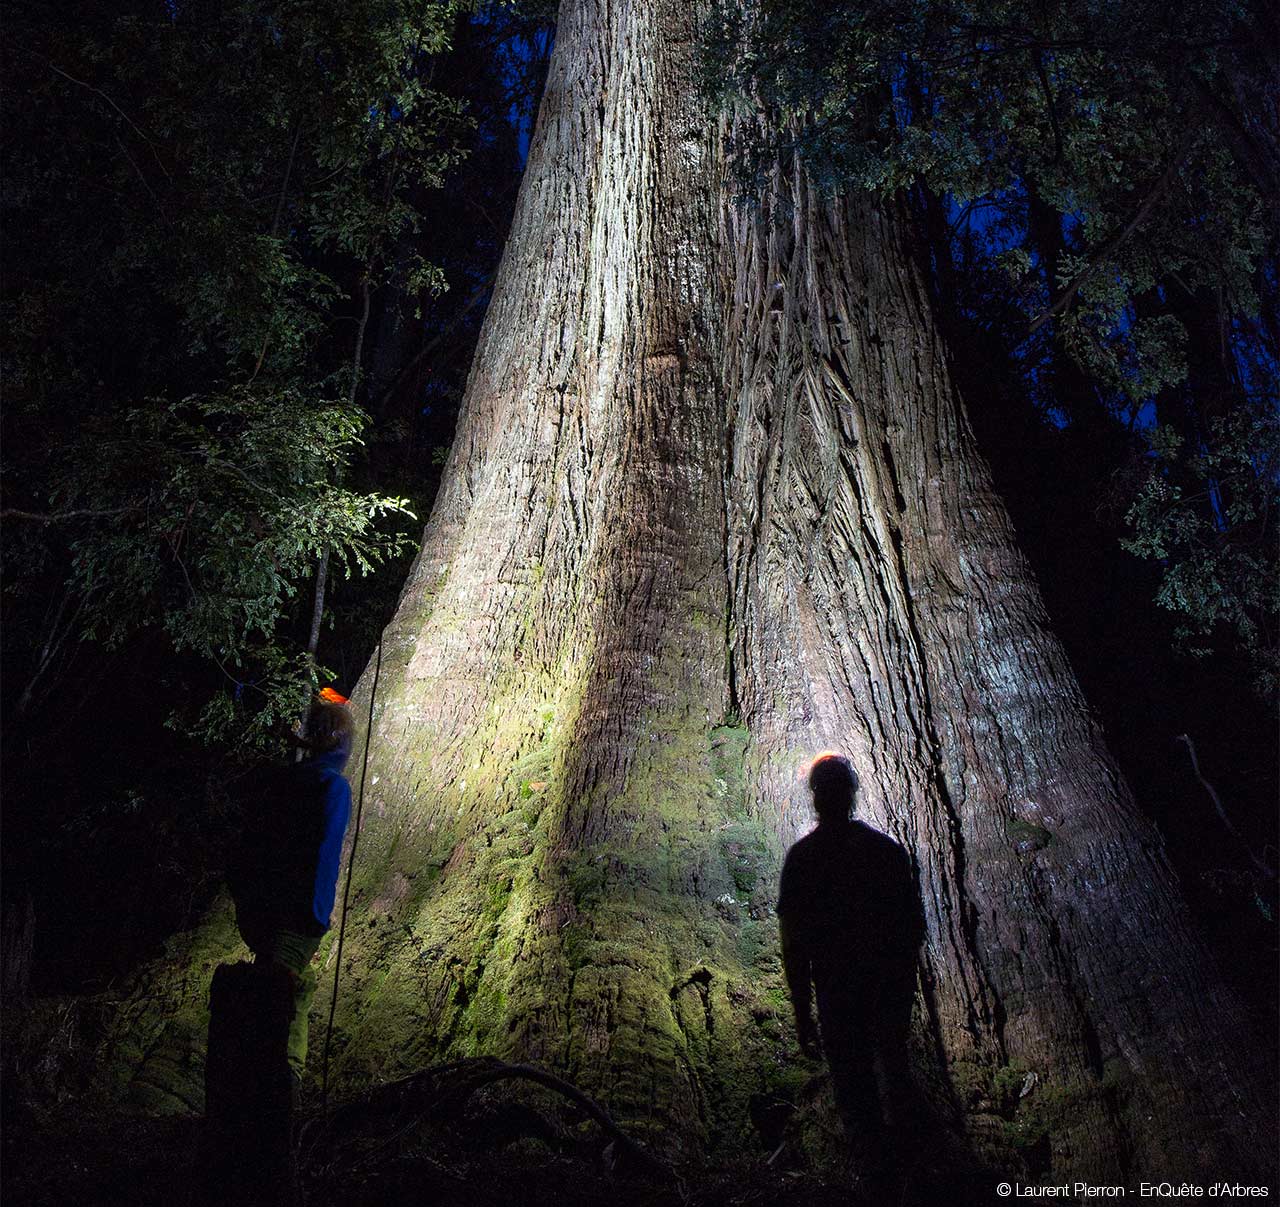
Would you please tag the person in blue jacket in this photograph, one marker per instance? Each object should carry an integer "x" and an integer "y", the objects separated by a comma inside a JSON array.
[{"x": 285, "y": 876}]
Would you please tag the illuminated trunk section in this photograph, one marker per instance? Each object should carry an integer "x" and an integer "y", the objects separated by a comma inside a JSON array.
[
  {"x": 711, "y": 486},
  {"x": 558, "y": 819},
  {"x": 713, "y": 506}
]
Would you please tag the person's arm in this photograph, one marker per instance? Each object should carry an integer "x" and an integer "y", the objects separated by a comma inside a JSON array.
[
  {"x": 913, "y": 906},
  {"x": 337, "y": 811},
  {"x": 799, "y": 974},
  {"x": 797, "y": 965}
]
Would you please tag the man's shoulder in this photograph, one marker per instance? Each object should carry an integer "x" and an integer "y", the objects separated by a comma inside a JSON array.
[
  {"x": 332, "y": 788},
  {"x": 871, "y": 837},
  {"x": 826, "y": 840},
  {"x": 795, "y": 882},
  {"x": 802, "y": 844},
  {"x": 318, "y": 771}
]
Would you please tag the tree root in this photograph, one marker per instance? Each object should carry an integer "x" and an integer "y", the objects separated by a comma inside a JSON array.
[{"x": 443, "y": 1090}]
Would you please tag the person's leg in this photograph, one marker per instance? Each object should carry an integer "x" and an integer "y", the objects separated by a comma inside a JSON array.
[
  {"x": 892, "y": 1038},
  {"x": 256, "y": 931},
  {"x": 247, "y": 1078},
  {"x": 294, "y": 952},
  {"x": 304, "y": 990},
  {"x": 854, "y": 1083},
  {"x": 848, "y": 1047}
]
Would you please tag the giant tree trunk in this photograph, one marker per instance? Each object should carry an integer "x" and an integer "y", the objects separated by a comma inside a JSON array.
[
  {"x": 549, "y": 856},
  {"x": 714, "y": 506}
]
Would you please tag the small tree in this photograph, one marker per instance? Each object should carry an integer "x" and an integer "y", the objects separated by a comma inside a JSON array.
[{"x": 223, "y": 191}]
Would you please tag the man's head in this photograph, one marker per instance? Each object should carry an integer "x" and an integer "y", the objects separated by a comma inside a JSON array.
[
  {"x": 330, "y": 727},
  {"x": 834, "y": 784}
]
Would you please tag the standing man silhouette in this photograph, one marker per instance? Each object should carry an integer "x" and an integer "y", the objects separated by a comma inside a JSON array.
[
  {"x": 285, "y": 876},
  {"x": 850, "y": 921},
  {"x": 283, "y": 879}
]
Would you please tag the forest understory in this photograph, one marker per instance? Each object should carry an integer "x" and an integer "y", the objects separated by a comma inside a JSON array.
[{"x": 471, "y": 1133}]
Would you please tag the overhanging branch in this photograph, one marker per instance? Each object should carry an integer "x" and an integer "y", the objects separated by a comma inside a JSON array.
[{"x": 1098, "y": 255}]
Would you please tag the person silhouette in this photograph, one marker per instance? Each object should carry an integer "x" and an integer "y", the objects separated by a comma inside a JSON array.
[
  {"x": 850, "y": 921},
  {"x": 284, "y": 874}
]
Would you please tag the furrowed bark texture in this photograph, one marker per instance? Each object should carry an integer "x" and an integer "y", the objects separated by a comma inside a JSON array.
[
  {"x": 548, "y": 830},
  {"x": 712, "y": 507}
]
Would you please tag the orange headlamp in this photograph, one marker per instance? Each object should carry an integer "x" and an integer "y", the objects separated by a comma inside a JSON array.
[{"x": 329, "y": 696}]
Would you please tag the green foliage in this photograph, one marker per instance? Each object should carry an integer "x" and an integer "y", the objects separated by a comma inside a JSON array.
[
  {"x": 237, "y": 490},
  {"x": 1211, "y": 535},
  {"x": 220, "y": 195},
  {"x": 1075, "y": 97},
  {"x": 219, "y": 507}
]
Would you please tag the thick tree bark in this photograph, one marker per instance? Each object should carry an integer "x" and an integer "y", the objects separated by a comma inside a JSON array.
[
  {"x": 546, "y": 839},
  {"x": 714, "y": 506}
]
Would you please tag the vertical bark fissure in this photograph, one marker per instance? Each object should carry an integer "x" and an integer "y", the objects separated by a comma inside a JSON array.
[
  {"x": 987, "y": 1003},
  {"x": 575, "y": 566}
]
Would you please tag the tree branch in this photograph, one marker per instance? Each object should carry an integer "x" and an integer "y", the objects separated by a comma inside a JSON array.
[
  {"x": 134, "y": 125},
  {"x": 506, "y": 1072},
  {"x": 1038, "y": 58},
  {"x": 1101, "y": 253},
  {"x": 432, "y": 345},
  {"x": 51, "y": 649},
  {"x": 1261, "y": 162},
  {"x": 275, "y": 230},
  {"x": 468, "y": 1076},
  {"x": 36, "y": 517},
  {"x": 1260, "y": 864}
]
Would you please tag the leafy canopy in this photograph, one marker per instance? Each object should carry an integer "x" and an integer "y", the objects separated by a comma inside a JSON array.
[{"x": 211, "y": 199}]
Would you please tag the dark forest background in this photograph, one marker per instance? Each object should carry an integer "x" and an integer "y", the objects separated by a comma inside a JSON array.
[{"x": 248, "y": 248}]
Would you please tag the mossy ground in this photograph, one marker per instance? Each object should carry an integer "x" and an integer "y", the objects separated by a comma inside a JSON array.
[
  {"x": 645, "y": 967},
  {"x": 627, "y": 942}
]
